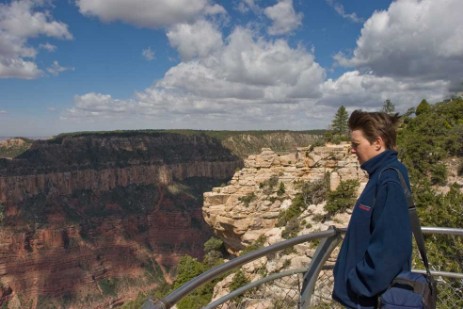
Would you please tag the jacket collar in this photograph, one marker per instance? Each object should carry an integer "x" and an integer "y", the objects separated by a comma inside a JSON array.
[{"x": 386, "y": 157}]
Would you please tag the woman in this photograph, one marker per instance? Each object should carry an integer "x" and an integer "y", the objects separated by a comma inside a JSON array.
[{"x": 378, "y": 242}]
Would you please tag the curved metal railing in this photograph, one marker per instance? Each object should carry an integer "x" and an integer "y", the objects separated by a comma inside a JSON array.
[{"x": 329, "y": 240}]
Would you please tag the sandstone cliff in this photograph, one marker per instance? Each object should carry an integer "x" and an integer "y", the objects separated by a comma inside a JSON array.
[
  {"x": 239, "y": 222},
  {"x": 91, "y": 219},
  {"x": 246, "y": 211}
]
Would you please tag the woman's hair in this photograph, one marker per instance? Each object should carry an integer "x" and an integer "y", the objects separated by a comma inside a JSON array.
[{"x": 374, "y": 124}]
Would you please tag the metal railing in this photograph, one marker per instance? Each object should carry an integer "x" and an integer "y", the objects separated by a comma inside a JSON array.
[{"x": 303, "y": 287}]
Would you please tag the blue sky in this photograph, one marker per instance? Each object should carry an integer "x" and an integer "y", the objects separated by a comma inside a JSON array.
[{"x": 82, "y": 65}]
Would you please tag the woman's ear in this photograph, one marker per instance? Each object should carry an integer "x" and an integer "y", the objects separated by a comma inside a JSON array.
[{"x": 379, "y": 143}]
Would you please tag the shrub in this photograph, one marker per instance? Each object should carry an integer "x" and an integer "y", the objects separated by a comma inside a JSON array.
[
  {"x": 259, "y": 243},
  {"x": 108, "y": 286},
  {"x": 239, "y": 280},
  {"x": 343, "y": 197},
  {"x": 315, "y": 192},
  {"x": 247, "y": 199},
  {"x": 269, "y": 184},
  {"x": 281, "y": 189}
]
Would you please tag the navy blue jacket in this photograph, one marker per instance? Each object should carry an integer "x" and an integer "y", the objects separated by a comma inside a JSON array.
[{"x": 378, "y": 242}]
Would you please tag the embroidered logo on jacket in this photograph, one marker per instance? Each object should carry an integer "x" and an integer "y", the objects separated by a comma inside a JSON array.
[{"x": 364, "y": 207}]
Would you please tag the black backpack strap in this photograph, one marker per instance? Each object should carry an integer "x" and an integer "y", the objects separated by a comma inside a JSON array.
[{"x": 414, "y": 220}]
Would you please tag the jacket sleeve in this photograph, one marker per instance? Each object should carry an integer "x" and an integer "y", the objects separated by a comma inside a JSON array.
[{"x": 390, "y": 243}]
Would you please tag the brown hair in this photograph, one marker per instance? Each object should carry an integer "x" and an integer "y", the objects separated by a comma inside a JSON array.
[{"x": 374, "y": 124}]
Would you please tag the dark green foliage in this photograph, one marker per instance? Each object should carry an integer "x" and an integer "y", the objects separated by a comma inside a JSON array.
[
  {"x": 388, "y": 107},
  {"x": 108, "y": 286},
  {"x": 281, "y": 189},
  {"x": 247, "y": 199},
  {"x": 431, "y": 137},
  {"x": 423, "y": 108},
  {"x": 268, "y": 185},
  {"x": 339, "y": 128},
  {"x": 314, "y": 192},
  {"x": 188, "y": 268},
  {"x": 214, "y": 250},
  {"x": 292, "y": 227},
  {"x": 343, "y": 197},
  {"x": 425, "y": 141},
  {"x": 239, "y": 280},
  {"x": 259, "y": 243},
  {"x": 296, "y": 208},
  {"x": 213, "y": 244},
  {"x": 339, "y": 123}
]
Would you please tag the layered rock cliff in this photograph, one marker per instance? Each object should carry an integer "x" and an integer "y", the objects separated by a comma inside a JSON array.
[
  {"x": 249, "y": 205},
  {"x": 246, "y": 212},
  {"x": 91, "y": 219}
]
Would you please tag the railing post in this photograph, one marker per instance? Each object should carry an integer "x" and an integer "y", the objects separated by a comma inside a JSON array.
[{"x": 322, "y": 253}]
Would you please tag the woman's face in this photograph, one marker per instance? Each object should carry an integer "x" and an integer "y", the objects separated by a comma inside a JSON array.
[{"x": 362, "y": 148}]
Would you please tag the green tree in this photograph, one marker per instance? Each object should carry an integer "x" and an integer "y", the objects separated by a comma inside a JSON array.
[
  {"x": 339, "y": 125},
  {"x": 423, "y": 107},
  {"x": 388, "y": 107},
  {"x": 188, "y": 268}
]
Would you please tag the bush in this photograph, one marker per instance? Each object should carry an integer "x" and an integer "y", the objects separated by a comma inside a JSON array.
[
  {"x": 315, "y": 192},
  {"x": 296, "y": 208},
  {"x": 281, "y": 189},
  {"x": 188, "y": 268},
  {"x": 269, "y": 184},
  {"x": 108, "y": 286},
  {"x": 343, "y": 197},
  {"x": 239, "y": 280},
  {"x": 247, "y": 199}
]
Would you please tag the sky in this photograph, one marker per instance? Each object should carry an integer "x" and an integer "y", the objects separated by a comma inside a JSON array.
[{"x": 94, "y": 65}]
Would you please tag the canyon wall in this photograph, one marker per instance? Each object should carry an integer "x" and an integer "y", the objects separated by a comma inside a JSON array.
[
  {"x": 245, "y": 213},
  {"x": 90, "y": 220},
  {"x": 249, "y": 206}
]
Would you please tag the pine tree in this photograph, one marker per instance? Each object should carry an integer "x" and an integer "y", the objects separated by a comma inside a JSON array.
[
  {"x": 339, "y": 125},
  {"x": 388, "y": 107}
]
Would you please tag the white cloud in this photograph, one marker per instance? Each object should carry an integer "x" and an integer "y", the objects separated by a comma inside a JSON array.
[
  {"x": 356, "y": 90},
  {"x": 48, "y": 47},
  {"x": 246, "y": 82},
  {"x": 148, "y": 13},
  {"x": 19, "y": 22},
  {"x": 420, "y": 39},
  {"x": 195, "y": 40},
  {"x": 245, "y": 6},
  {"x": 339, "y": 8},
  {"x": 56, "y": 69},
  {"x": 148, "y": 54},
  {"x": 284, "y": 17},
  {"x": 3, "y": 112}
]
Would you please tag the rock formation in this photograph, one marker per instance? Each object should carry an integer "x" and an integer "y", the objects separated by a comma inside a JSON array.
[
  {"x": 92, "y": 219},
  {"x": 248, "y": 208}
]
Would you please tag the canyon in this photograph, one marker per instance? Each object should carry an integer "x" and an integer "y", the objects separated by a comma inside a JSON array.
[{"x": 90, "y": 220}]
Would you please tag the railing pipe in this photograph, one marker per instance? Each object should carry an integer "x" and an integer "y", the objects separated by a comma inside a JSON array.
[
  {"x": 216, "y": 271},
  {"x": 322, "y": 253},
  {"x": 252, "y": 285},
  {"x": 442, "y": 230},
  {"x": 168, "y": 301}
]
